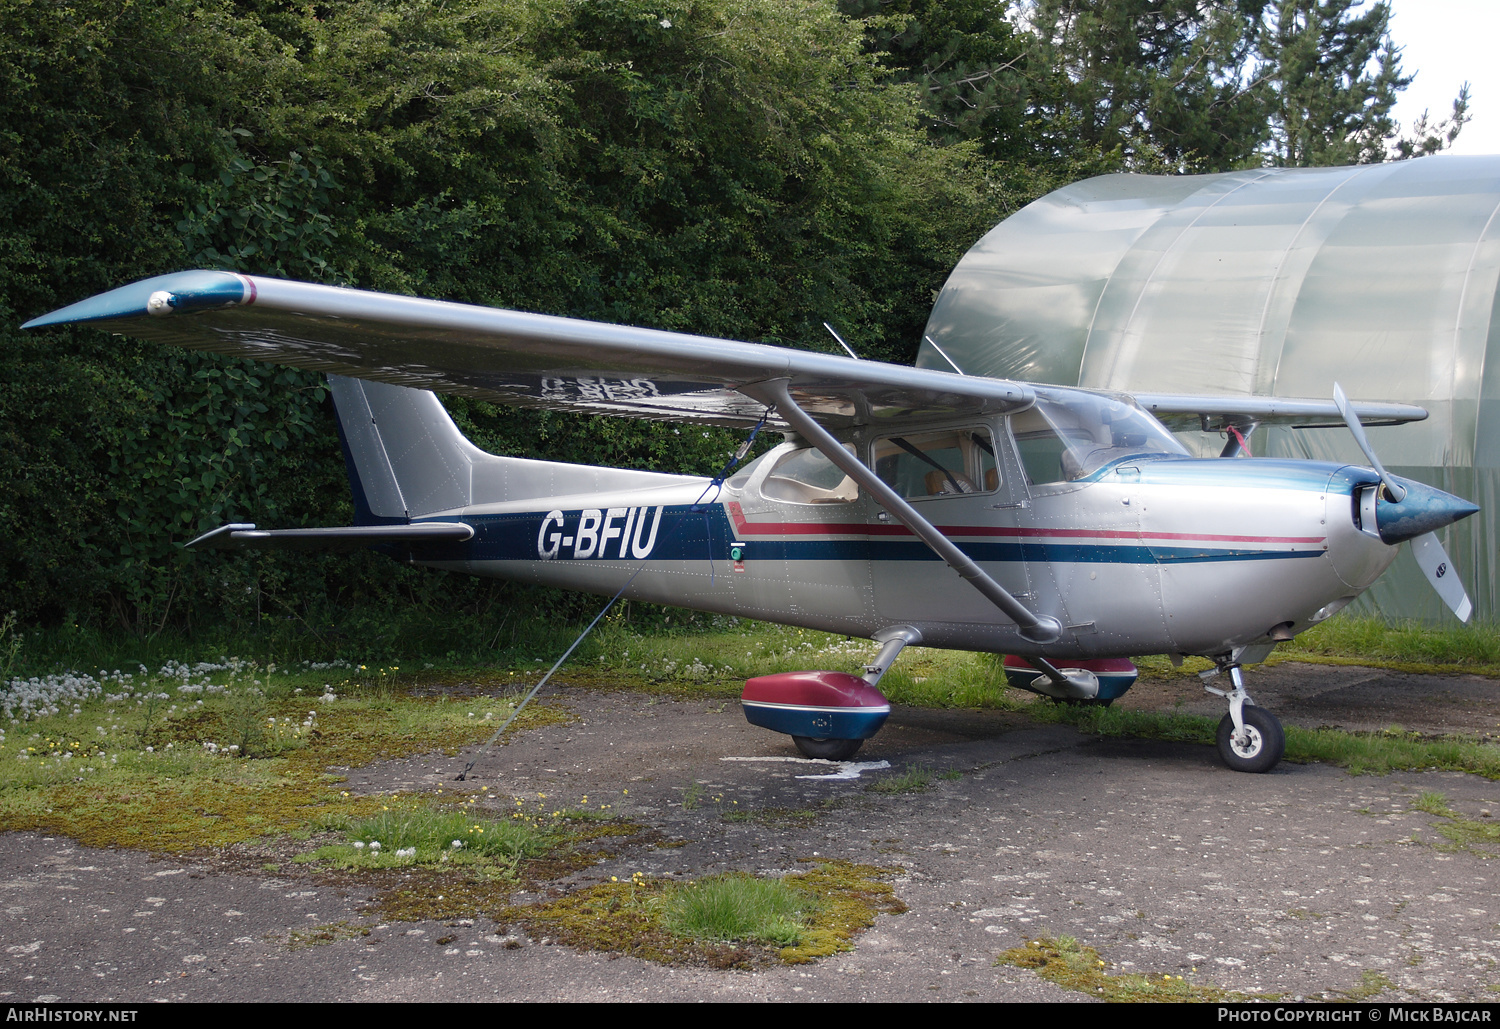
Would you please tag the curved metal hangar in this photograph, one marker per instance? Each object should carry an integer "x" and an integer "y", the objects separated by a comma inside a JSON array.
[{"x": 1271, "y": 282}]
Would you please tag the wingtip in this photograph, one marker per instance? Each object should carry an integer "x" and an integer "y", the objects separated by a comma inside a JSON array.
[{"x": 159, "y": 295}]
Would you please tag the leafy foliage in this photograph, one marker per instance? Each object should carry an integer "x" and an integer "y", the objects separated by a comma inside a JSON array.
[{"x": 732, "y": 168}]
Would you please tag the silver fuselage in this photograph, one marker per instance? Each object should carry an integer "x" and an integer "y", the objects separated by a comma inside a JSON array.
[{"x": 1156, "y": 555}]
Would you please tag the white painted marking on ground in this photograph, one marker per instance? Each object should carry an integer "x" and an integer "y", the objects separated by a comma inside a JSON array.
[
  {"x": 846, "y": 769},
  {"x": 851, "y": 770}
]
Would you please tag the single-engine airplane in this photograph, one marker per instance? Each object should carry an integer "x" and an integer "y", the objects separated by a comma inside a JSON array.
[{"x": 1081, "y": 530}]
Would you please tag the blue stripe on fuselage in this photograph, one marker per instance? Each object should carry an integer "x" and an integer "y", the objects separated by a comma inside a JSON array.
[{"x": 687, "y": 535}]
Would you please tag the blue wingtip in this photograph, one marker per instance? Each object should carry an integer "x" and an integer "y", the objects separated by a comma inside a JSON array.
[{"x": 185, "y": 291}]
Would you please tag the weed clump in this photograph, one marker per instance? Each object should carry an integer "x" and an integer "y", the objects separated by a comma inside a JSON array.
[
  {"x": 322, "y": 935},
  {"x": 915, "y": 779}
]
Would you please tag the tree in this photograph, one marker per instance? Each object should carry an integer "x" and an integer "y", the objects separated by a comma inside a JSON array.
[
  {"x": 725, "y": 167},
  {"x": 1333, "y": 76},
  {"x": 1158, "y": 85}
]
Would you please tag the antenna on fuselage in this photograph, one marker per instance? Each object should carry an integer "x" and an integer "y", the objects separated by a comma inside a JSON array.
[
  {"x": 943, "y": 354},
  {"x": 836, "y": 336}
]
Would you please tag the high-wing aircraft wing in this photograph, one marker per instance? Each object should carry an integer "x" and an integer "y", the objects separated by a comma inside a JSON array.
[
  {"x": 517, "y": 358},
  {"x": 1209, "y": 412},
  {"x": 564, "y": 363}
]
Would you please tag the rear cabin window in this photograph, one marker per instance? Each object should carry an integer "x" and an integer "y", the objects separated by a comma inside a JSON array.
[
  {"x": 938, "y": 464},
  {"x": 805, "y": 476}
]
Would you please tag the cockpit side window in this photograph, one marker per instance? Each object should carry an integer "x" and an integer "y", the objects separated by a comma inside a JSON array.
[
  {"x": 935, "y": 464},
  {"x": 1039, "y": 447},
  {"x": 1070, "y": 435},
  {"x": 805, "y": 476}
]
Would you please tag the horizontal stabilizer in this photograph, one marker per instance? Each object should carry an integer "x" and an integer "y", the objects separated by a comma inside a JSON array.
[{"x": 245, "y": 536}]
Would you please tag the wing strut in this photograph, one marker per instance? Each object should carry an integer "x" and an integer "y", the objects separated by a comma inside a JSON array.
[{"x": 1034, "y": 627}]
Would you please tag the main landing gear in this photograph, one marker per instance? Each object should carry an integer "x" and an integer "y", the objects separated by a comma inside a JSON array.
[
  {"x": 828, "y": 715},
  {"x": 827, "y": 749},
  {"x": 1250, "y": 738}
]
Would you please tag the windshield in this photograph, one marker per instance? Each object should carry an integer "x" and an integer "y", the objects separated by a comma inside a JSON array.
[{"x": 1070, "y": 435}]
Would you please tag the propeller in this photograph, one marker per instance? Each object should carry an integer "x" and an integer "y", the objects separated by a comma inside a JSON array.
[
  {"x": 1407, "y": 510},
  {"x": 1393, "y": 489}
]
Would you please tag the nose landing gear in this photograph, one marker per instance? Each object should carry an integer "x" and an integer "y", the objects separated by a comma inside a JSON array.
[{"x": 1250, "y": 738}]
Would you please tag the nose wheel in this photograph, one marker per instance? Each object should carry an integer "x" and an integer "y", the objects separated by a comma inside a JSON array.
[
  {"x": 1254, "y": 747},
  {"x": 1250, "y": 738}
]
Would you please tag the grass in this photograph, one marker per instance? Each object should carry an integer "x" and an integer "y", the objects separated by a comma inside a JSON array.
[
  {"x": 417, "y": 833},
  {"x": 88, "y": 755},
  {"x": 1360, "y": 753},
  {"x": 1063, "y": 961},
  {"x": 915, "y": 779},
  {"x": 235, "y": 752},
  {"x": 1405, "y": 646},
  {"x": 736, "y": 907}
]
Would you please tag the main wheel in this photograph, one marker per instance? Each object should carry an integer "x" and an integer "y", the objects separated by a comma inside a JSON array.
[
  {"x": 827, "y": 750},
  {"x": 1262, "y": 745}
]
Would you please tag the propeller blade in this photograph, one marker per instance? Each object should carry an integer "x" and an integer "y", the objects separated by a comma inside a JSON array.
[
  {"x": 1393, "y": 489},
  {"x": 1439, "y": 571}
]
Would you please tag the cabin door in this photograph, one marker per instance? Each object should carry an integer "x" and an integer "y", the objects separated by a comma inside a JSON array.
[{"x": 960, "y": 482}]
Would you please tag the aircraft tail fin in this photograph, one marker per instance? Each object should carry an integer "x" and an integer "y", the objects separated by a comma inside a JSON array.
[
  {"x": 406, "y": 459},
  {"x": 404, "y": 455}
]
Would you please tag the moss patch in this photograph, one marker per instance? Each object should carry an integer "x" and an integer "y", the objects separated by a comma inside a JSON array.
[
  {"x": 91, "y": 777},
  {"x": 417, "y": 873},
  {"x": 636, "y": 917},
  {"x": 771, "y": 815},
  {"x": 625, "y": 918},
  {"x": 1371, "y": 985},
  {"x": 1478, "y": 836},
  {"x": 852, "y": 896},
  {"x": 1073, "y": 967},
  {"x": 322, "y": 935},
  {"x": 172, "y": 815}
]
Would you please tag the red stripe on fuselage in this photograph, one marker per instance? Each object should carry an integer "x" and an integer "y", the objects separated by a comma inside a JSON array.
[{"x": 737, "y": 514}]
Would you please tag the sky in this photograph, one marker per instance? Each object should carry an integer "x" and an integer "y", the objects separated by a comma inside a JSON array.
[{"x": 1447, "y": 43}]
